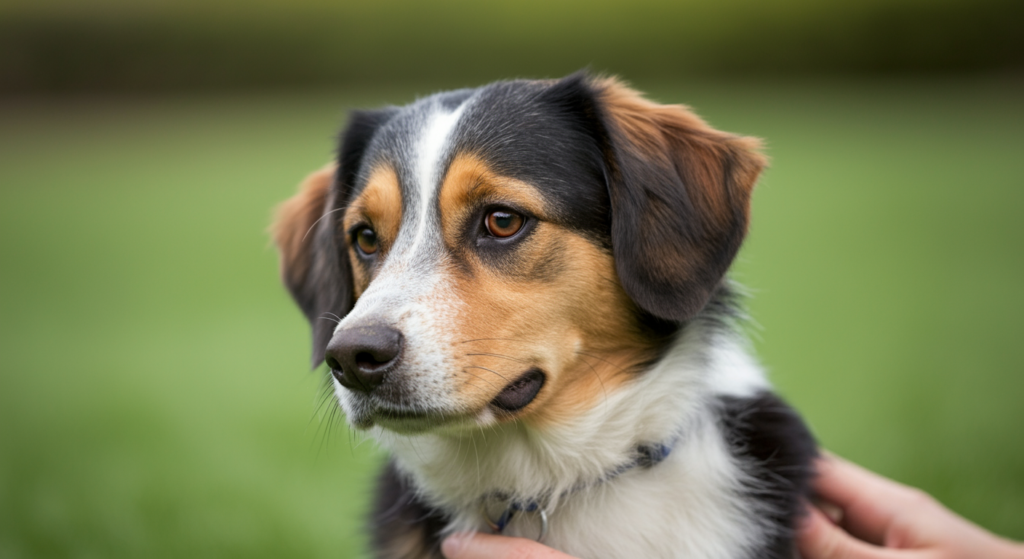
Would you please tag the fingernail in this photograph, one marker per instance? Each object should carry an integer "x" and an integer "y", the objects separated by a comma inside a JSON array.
[
  {"x": 832, "y": 512},
  {"x": 453, "y": 544}
]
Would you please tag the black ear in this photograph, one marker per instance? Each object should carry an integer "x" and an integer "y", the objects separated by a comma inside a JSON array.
[
  {"x": 307, "y": 231},
  {"x": 680, "y": 197}
]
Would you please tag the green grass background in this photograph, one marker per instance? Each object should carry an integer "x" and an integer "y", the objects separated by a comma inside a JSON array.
[{"x": 154, "y": 400}]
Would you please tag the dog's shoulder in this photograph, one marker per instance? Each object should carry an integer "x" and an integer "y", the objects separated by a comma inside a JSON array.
[
  {"x": 775, "y": 450},
  {"x": 403, "y": 525}
]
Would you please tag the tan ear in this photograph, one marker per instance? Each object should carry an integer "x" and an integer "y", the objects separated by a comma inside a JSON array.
[
  {"x": 293, "y": 225},
  {"x": 314, "y": 270},
  {"x": 680, "y": 194}
]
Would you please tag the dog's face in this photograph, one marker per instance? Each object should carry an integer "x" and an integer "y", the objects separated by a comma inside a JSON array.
[{"x": 515, "y": 251}]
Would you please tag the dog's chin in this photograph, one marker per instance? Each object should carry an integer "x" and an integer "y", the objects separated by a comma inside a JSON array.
[
  {"x": 407, "y": 421},
  {"x": 417, "y": 422}
]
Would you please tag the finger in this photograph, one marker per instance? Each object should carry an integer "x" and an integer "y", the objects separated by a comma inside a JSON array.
[
  {"x": 487, "y": 546},
  {"x": 869, "y": 502},
  {"x": 844, "y": 483},
  {"x": 818, "y": 538}
]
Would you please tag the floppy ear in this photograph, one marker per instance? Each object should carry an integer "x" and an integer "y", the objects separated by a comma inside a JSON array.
[
  {"x": 314, "y": 273},
  {"x": 314, "y": 265},
  {"x": 680, "y": 197}
]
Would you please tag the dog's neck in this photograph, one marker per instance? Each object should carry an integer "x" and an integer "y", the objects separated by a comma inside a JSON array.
[{"x": 454, "y": 472}]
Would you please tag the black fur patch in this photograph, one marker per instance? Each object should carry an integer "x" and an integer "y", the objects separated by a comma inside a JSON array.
[
  {"x": 362, "y": 125},
  {"x": 403, "y": 527},
  {"x": 777, "y": 450}
]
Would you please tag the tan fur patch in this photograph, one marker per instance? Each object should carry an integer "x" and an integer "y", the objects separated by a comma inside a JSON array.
[
  {"x": 379, "y": 206},
  {"x": 578, "y": 329},
  {"x": 574, "y": 322},
  {"x": 294, "y": 220}
]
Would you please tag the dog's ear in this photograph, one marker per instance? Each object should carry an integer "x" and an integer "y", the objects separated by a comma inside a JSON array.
[
  {"x": 315, "y": 274},
  {"x": 680, "y": 197},
  {"x": 314, "y": 265}
]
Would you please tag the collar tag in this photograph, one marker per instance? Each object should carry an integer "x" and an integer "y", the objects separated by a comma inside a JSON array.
[{"x": 498, "y": 526}]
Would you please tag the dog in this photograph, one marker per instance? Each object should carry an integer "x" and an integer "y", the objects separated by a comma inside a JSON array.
[{"x": 520, "y": 291}]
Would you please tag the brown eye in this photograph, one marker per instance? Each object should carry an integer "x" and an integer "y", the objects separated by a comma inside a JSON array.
[
  {"x": 503, "y": 224},
  {"x": 366, "y": 240}
]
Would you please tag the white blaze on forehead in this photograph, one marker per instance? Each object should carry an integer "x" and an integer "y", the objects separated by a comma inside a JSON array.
[
  {"x": 409, "y": 291},
  {"x": 430, "y": 153}
]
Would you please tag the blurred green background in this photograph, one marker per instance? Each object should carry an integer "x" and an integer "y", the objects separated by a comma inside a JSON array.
[{"x": 154, "y": 400}]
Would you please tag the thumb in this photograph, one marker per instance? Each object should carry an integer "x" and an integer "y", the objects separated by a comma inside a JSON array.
[
  {"x": 818, "y": 538},
  {"x": 487, "y": 546}
]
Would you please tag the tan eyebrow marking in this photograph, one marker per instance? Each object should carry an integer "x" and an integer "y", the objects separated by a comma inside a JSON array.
[
  {"x": 379, "y": 205},
  {"x": 470, "y": 179}
]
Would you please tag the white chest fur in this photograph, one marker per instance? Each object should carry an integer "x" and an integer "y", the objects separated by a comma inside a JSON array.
[{"x": 689, "y": 505}]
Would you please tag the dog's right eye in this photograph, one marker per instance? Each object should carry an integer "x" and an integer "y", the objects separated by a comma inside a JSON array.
[
  {"x": 366, "y": 240},
  {"x": 503, "y": 224}
]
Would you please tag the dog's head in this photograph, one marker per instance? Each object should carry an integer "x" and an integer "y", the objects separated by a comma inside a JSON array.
[{"x": 512, "y": 251}]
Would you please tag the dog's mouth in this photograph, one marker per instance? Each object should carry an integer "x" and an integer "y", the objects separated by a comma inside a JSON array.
[
  {"x": 520, "y": 392},
  {"x": 403, "y": 419}
]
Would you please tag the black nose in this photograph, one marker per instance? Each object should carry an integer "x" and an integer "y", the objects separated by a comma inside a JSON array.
[{"x": 360, "y": 356}]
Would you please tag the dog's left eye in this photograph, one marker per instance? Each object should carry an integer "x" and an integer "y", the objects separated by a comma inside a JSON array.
[
  {"x": 366, "y": 240},
  {"x": 502, "y": 223}
]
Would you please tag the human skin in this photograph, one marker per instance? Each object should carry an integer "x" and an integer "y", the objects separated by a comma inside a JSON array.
[
  {"x": 881, "y": 519},
  {"x": 877, "y": 518}
]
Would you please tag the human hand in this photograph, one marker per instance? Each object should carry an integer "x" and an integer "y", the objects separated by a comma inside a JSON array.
[
  {"x": 487, "y": 546},
  {"x": 883, "y": 519}
]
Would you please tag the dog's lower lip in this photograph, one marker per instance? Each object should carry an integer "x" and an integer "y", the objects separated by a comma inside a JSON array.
[
  {"x": 401, "y": 414},
  {"x": 520, "y": 392},
  {"x": 410, "y": 421}
]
